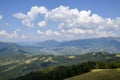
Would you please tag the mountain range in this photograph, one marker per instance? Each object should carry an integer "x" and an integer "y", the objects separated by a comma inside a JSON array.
[{"x": 77, "y": 47}]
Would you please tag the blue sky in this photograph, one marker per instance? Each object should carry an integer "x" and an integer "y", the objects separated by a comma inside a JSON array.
[{"x": 39, "y": 20}]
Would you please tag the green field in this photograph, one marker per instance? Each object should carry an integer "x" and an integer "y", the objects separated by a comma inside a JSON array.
[{"x": 99, "y": 74}]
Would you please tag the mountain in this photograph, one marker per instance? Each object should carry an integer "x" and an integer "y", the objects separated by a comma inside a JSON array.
[
  {"x": 8, "y": 44},
  {"x": 76, "y": 47},
  {"x": 27, "y": 43},
  {"x": 8, "y": 48},
  {"x": 116, "y": 38},
  {"x": 93, "y": 42},
  {"x": 109, "y": 44},
  {"x": 73, "y": 47},
  {"x": 49, "y": 43},
  {"x": 81, "y": 46}
]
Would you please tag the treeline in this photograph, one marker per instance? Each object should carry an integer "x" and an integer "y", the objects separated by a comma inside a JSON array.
[{"x": 62, "y": 72}]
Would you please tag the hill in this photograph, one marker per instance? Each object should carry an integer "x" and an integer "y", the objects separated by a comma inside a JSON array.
[
  {"x": 99, "y": 74},
  {"x": 16, "y": 65},
  {"x": 109, "y": 44},
  {"x": 9, "y": 48},
  {"x": 62, "y": 72},
  {"x": 49, "y": 43}
]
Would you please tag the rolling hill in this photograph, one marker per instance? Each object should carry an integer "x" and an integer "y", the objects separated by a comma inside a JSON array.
[
  {"x": 62, "y": 72},
  {"x": 99, "y": 74},
  {"x": 16, "y": 65},
  {"x": 9, "y": 48}
]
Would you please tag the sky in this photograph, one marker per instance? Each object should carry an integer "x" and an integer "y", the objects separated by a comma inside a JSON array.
[{"x": 40, "y": 20}]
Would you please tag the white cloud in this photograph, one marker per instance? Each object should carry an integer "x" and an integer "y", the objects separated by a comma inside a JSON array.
[
  {"x": 39, "y": 32},
  {"x": 105, "y": 34},
  {"x": 3, "y": 33},
  {"x": 77, "y": 22},
  {"x": 53, "y": 33},
  {"x": 42, "y": 24},
  {"x": 28, "y": 19},
  {"x": 20, "y": 16},
  {"x": 73, "y": 18},
  {"x": 48, "y": 33},
  {"x": 61, "y": 13},
  {"x": 1, "y": 17},
  {"x": 23, "y": 37},
  {"x": 79, "y": 31},
  {"x": 72, "y": 22},
  {"x": 14, "y": 34}
]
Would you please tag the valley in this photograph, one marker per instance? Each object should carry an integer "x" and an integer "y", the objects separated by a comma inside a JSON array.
[
  {"x": 24, "y": 64},
  {"x": 19, "y": 59}
]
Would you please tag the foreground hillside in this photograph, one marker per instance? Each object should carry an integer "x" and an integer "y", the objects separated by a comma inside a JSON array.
[
  {"x": 63, "y": 72},
  {"x": 99, "y": 74},
  {"x": 23, "y": 64}
]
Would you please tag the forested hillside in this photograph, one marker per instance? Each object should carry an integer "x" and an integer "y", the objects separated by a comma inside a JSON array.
[
  {"x": 62, "y": 72},
  {"x": 98, "y": 74},
  {"x": 22, "y": 64}
]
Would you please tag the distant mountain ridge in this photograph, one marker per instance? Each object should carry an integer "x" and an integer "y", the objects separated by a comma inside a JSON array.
[
  {"x": 49, "y": 43},
  {"x": 77, "y": 47},
  {"x": 95, "y": 42},
  {"x": 80, "y": 42},
  {"x": 108, "y": 44},
  {"x": 9, "y": 48}
]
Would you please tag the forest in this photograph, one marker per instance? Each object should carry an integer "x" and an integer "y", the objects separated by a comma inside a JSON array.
[{"x": 62, "y": 72}]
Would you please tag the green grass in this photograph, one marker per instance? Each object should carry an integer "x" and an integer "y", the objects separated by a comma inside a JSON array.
[{"x": 99, "y": 74}]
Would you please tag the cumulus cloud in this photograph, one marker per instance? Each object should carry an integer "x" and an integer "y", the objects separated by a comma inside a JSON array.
[
  {"x": 1, "y": 17},
  {"x": 48, "y": 33},
  {"x": 73, "y": 18},
  {"x": 40, "y": 32},
  {"x": 79, "y": 31},
  {"x": 72, "y": 22},
  {"x": 104, "y": 34},
  {"x": 3, "y": 33},
  {"x": 23, "y": 36},
  {"x": 14, "y": 34},
  {"x": 84, "y": 22},
  {"x": 42, "y": 24},
  {"x": 20, "y": 15},
  {"x": 28, "y": 19}
]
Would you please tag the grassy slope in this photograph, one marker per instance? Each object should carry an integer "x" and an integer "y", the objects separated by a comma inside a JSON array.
[{"x": 99, "y": 74}]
